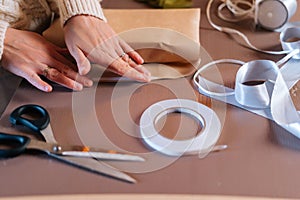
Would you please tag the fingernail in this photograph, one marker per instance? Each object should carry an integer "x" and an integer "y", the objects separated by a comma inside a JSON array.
[
  {"x": 148, "y": 78},
  {"x": 147, "y": 75},
  {"x": 142, "y": 60},
  {"x": 144, "y": 70},
  {"x": 47, "y": 88},
  {"x": 82, "y": 71},
  {"x": 144, "y": 78},
  {"x": 78, "y": 86},
  {"x": 84, "y": 68},
  {"x": 88, "y": 83}
]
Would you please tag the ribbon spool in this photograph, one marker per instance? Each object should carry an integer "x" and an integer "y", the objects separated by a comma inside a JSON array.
[
  {"x": 269, "y": 14},
  {"x": 274, "y": 14},
  {"x": 202, "y": 143}
]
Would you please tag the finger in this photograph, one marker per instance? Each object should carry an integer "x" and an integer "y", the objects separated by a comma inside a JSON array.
[
  {"x": 63, "y": 51},
  {"x": 63, "y": 57},
  {"x": 57, "y": 77},
  {"x": 31, "y": 76},
  {"x": 136, "y": 57},
  {"x": 66, "y": 54},
  {"x": 125, "y": 46},
  {"x": 143, "y": 70},
  {"x": 103, "y": 55},
  {"x": 138, "y": 67},
  {"x": 69, "y": 72},
  {"x": 34, "y": 79},
  {"x": 109, "y": 50},
  {"x": 117, "y": 49},
  {"x": 131, "y": 52},
  {"x": 126, "y": 58},
  {"x": 64, "y": 66},
  {"x": 83, "y": 63},
  {"x": 124, "y": 69}
]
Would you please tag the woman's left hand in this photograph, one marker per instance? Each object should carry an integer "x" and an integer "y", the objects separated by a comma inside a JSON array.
[{"x": 29, "y": 55}]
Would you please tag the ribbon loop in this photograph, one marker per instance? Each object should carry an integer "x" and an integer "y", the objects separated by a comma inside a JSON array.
[
  {"x": 290, "y": 40},
  {"x": 252, "y": 86},
  {"x": 262, "y": 88}
]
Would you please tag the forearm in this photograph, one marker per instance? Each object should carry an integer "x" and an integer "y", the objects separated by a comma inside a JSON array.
[
  {"x": 9, "y": 13},
  {"x": 3, "y": 27},
  {"x": 70, "y": 8}
]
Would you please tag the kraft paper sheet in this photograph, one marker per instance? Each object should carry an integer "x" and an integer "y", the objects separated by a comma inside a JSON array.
[{"x": 168, "y": 40}]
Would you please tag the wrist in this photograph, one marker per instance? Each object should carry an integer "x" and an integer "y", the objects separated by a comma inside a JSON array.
[{"x": 71, "y": 8}]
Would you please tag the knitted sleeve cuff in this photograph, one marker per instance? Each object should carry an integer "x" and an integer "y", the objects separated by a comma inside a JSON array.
[
  {"x": 70, "y": 8},
  {"x": 3, "y": 27}
]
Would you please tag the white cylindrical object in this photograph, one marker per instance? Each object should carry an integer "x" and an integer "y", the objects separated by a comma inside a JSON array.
[
  {"x": 274, "y": 14},
  {"x": 201, "y": 144}
]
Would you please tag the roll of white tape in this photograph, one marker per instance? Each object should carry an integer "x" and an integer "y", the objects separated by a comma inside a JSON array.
[{"x": 202, "y": 143}]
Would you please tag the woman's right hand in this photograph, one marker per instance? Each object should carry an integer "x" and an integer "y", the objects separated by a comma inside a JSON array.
[
  {"x": 92, "y": 40},
  {"x": 29, "y": 55}
]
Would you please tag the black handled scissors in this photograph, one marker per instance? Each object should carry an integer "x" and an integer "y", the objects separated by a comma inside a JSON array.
[
  {"x": 41, "y": 125},
  {"x": 14, "y": 145}
]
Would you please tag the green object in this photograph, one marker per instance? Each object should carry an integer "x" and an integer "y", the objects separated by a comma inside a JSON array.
[{"x": 169, "y": 3}]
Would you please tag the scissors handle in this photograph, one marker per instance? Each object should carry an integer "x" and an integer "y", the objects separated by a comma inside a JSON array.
[
  {"x": 12, "y": 145},
  {"x": 40, "y": 122}
]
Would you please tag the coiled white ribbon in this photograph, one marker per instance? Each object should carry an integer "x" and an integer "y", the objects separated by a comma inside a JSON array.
[
  {"x": 235, "y": 7},
  {"x": 269, "y": 96}
]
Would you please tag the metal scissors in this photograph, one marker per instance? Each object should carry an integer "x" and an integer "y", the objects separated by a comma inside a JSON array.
[{"x": 80, "y": 156}]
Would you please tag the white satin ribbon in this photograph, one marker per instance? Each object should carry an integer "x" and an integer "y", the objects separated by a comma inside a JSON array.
[
  {"x": 260, "y": 87},
  {"x": 290, "y": 39},
  {"x": 252, "y": 86},
  {"x": 234, "y": 6}
]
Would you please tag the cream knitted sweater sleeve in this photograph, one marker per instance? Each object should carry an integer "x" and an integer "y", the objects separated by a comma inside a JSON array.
[
  {"x": 69, "y": 8},
  {"x": 3, "y": 27},
  {"x": 32, "y": 14},
  {"x": 9, "y": 13}
]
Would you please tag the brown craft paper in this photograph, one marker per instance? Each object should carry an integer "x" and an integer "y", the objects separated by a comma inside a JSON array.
[{"x": 169, "y": 45}]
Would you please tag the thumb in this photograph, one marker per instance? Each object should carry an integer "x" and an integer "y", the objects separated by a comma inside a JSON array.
[{"x": 83, "y": 64}]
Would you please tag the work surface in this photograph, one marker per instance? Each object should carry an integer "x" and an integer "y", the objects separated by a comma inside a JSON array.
[{"x": 262, "y": 159}]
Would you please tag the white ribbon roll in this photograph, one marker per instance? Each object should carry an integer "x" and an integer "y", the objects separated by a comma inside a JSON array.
[
  {"x": 269, "y": 97},
  {"x": 202, "y": 143},
  {"x": 260, "y": 86},
  {"x": 274, "y": 14},
  {"x": 265, "y": 15}
]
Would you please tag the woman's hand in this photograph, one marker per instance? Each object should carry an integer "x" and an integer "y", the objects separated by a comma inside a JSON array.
[
  {"x": 29, "y": 55},
  {"x": 90, "y": 39}
]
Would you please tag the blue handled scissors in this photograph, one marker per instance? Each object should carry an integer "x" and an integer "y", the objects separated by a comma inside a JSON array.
[{"x": 14, "y": 145}]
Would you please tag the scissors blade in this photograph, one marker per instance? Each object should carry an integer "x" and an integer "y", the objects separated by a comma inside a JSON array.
[
  {"x": 48, "y": 135},
  {"x": 84, "y": 163},
  {"x": 103, "y": 155},
  {"x": 96, "y": 167},
  {"x": 84, "y": 151}
]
